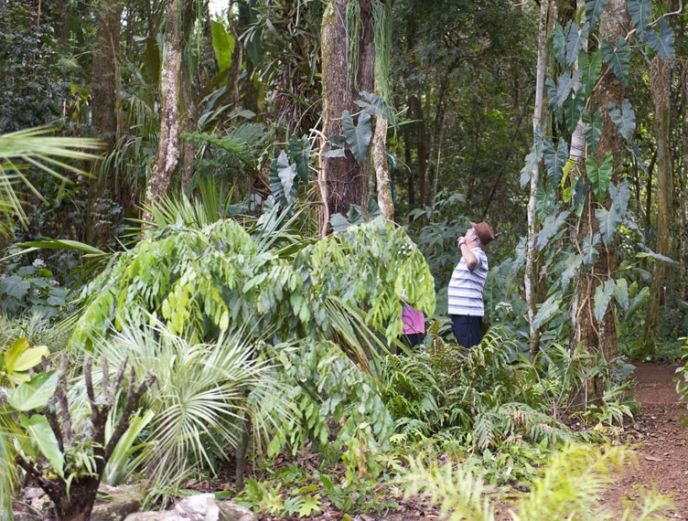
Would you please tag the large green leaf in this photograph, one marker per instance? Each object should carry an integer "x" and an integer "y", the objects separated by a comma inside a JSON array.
[
  {"x": 574, "y": 40},
  {"x": 592, "y": 130},
  {"x": 663, "y": 42},
  {"x": 39, "y": 430},
  {"x": 609, "y": 221},
  {"x": 550, "y": 228},
  {"x": 603, "y": 296},
  {"x": 640, "y": 12},
  {"x": 590, "y": 67},
  {"x": 33, "y": 394},
  {"x": 656, "y": 256},
  {"x": 358, "y": 135},
  {"x": 556, "y": 159},
  {"x": 223, "y": 45},
  {"x": 548, "y": 310},
  {"x": 28, "y": 358},
  {"x": 623, "y": 118},
  {"x": 14, "y": 286},
  {"x": 618, "y": 57},
  {"x": 570, "y": 269},
  {"x": 621, "y": 293},
  {"x": 593, "y": 10},
  {"x": 564, "y": 87},
  {"x": 600, "y": 175},
  {"x": 620, "y": 197},
  {"x": 375, "y": 106},
  {"x": 559, "y": 44},
  {"x": 590, "y": 253}
]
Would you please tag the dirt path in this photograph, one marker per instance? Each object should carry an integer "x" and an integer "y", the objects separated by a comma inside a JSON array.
[{"x": 660, "y": 439}]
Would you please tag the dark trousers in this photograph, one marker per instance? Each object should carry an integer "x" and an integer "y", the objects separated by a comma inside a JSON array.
[
  {"x": 412, "y": 339},
  {"x": 467, "y": 330}
]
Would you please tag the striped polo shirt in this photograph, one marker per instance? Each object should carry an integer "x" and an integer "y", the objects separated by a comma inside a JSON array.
[{"x": 466, "y": 287}]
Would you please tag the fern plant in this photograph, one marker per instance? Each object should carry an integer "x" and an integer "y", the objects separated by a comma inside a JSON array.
[{"x": 569, "y": 488}]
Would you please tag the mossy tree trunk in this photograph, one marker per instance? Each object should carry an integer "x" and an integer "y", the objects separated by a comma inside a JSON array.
[
  {"x": 602, "y": 335},
  {"x": 342, "y": 180},
  {"x": 167, "y": 159},
  {"x": 660, "y": 82}
]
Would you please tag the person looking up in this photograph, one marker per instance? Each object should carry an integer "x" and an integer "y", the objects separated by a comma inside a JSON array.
[{"x": 466, "y": 307}]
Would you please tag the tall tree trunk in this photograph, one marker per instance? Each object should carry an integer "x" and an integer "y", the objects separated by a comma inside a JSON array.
[
  {"x": 660, "y": 83},
  {"x": 168, "y": 145},
  {"x": 602, "y": 336},
  {"x": 342, "y": 180},
  {"x": 682, "y": 178},
  {"x": 384, "y": 185},
  {"x": 530, "y": 277},
  {"x": 190, "y": 114},
  {"x": 105, "y": 110}
]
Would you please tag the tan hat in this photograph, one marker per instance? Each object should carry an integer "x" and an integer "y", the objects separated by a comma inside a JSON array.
[{"x": 484, "y": 232}]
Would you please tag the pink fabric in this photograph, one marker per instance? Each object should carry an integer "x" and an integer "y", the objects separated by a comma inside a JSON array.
[{"x": 414, "y": 320}]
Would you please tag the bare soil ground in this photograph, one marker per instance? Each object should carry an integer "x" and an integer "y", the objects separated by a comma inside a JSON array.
[{"x": 660, "y": 437}]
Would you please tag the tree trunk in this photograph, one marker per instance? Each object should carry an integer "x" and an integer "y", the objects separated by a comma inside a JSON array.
[
  {"x": 342, "y": 180},
  {"x": 105, "y": 108},
  {"x": 384, "y": 185},
  {"x": 602, "y": 335},
  {"x": 660, "y": 82},
  {"x": 530, "y": 278},
  {"x": 168, "y": 145}
]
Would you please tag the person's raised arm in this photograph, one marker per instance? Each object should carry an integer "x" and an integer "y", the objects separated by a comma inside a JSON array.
[{"x": 466, "y": 245}]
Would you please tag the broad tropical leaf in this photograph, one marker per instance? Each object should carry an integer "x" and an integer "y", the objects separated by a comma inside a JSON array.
[
  {"x": 375, "y": 106},
  {"x": 593, "y": 10},
  {"x": 623, "y": 118},
  {"x": 223, "y": 45},
  {"x": 618, "y": 57},
  {"x": 33, "y": 394},
  {"x": 559, "y": 44},
  {"x": 609, "y": 221},
  {"x": 548, "y": 310},
  {"x": 550, "y": 228},
  {"x": 663, "y": 42},
  {"x": 358, "y": 135},
  {"x": 640, "y": 12},
  {"x": 556, "y": 159},
  {"x": 40, "y": 432},
  {"x": 621, "y": 293},
  {"x": 600, "y": 175},
  {"x": 603, "y": 296}
]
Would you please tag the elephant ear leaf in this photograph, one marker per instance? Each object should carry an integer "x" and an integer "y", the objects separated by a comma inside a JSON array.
[
  {"x": 358, "y": 135},
  {"x": 43, "y": 436},
  {"x": 662, "y": 43},
  {"x": 603, "y": 297}
]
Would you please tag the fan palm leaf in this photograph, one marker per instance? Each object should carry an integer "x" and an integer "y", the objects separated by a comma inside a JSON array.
[{"x": 36, "y": 148}]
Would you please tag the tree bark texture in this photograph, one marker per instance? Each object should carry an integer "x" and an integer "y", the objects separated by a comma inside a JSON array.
[
  {"x": 106, "y": 114},
  {"x": 384, "y": 184},
  {"x": 530, "y": 277},
  {"x": 167, "y": 158},
  {"x": 342, "y": 180},
  {"x": 660, "y": 83},
  {"x": 602, "y": 335}
]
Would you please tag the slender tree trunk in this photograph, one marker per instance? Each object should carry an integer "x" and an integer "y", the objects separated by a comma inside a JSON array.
[
  {"x": 342, "y": 180},
  {"x": 167, "y": 158},
  {"x": 420, "y": 141},
  {"x": 660, "y": 82},
  {"x": 602, "y": 335},
  {"x": 190, "y": 119},
  {"x": 530, "y": 278},
  {"x": 682, "y": 177},
  {"x": 105, "y": 109},
  {"x": 384, "y": 185}
]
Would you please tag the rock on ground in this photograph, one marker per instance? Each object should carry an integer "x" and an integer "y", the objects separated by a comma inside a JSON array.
[{"x": 202, "y": 507}]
